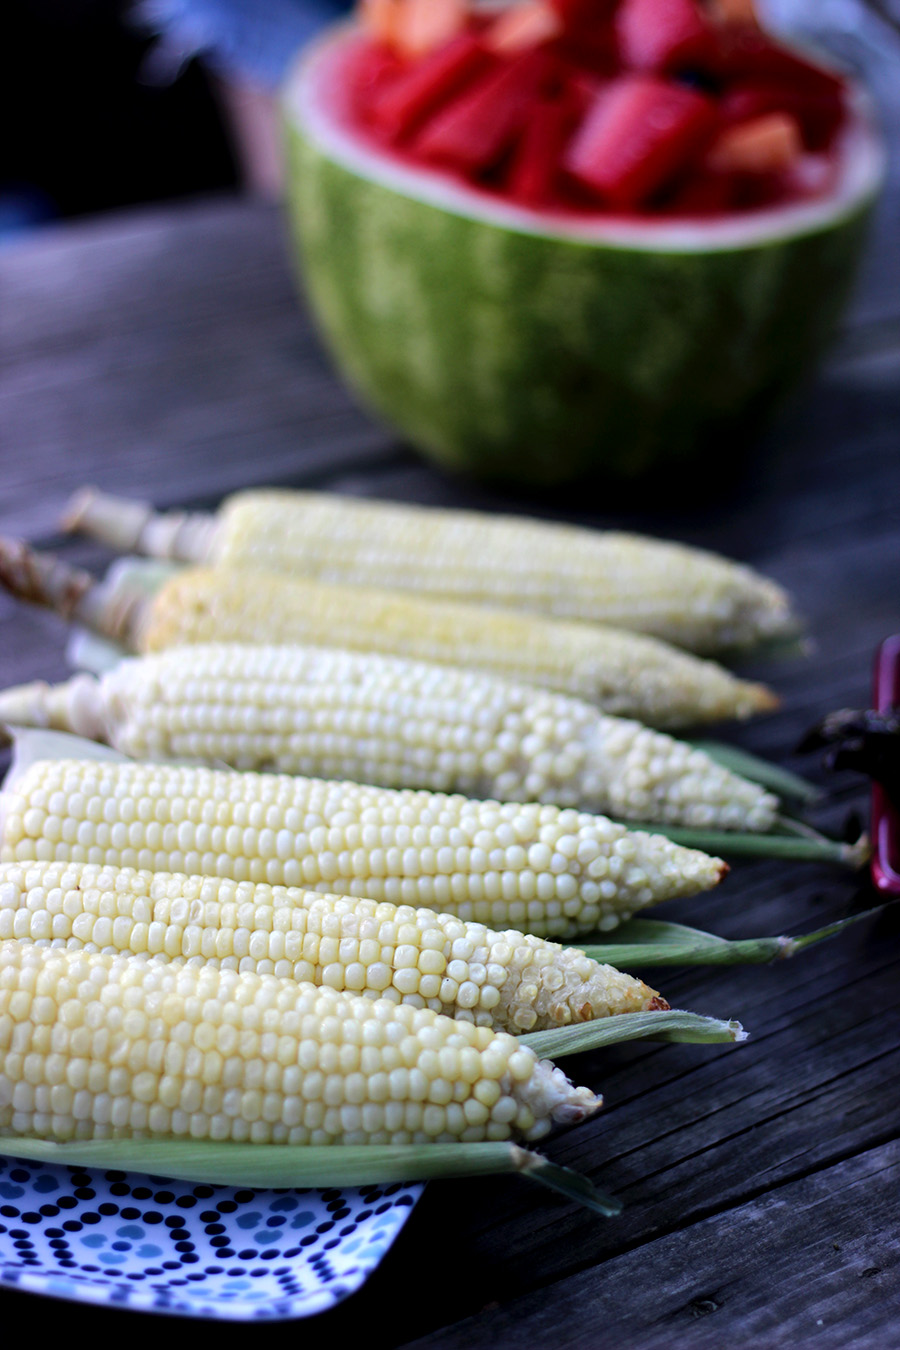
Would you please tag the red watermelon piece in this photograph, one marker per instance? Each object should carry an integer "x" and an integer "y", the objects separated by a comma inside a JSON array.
[
  {"x": 536, "y": 165},
  {"x": 659, "y": 35},
  {"x": 423, "y": 86},
  {"x": 475, "y": 129},
  {"x": 640, "y": 134}
]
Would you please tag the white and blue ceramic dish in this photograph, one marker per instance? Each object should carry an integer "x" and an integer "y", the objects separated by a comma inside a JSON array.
[{"x": 199, "y": 1251}]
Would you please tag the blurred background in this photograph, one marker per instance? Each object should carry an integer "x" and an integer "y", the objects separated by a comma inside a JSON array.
[{"x": 116, "y": 102}]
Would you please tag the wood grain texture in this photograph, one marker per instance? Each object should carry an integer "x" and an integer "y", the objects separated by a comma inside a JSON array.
[{"x": 164, "y": 354}]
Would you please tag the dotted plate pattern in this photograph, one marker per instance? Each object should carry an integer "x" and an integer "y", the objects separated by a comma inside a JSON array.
[{"x": 199, "y": 1251}]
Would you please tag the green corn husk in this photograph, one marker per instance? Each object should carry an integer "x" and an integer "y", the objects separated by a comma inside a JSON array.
[
  {"x": 805, "y": 846},
  {"x": 782, "y": 782},
  {"x": 649, "y": 942},
  {"x": 673, "y": 1025},
  {"x": 285, "y": 1166}
]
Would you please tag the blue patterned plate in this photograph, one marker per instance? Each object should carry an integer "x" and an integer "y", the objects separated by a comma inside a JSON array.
[{"x": 200, "y": 1251}]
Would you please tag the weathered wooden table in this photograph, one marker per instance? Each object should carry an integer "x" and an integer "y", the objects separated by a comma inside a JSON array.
[{"x": 163, "y": 354}]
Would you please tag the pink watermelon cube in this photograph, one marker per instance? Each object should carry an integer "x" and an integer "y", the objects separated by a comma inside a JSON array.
[
  {"x": 475, "y": 129},
  {"x": 640, "y": 134},
  {"x": 422, "y": 87},
  {"x": 662, "y": 34}
]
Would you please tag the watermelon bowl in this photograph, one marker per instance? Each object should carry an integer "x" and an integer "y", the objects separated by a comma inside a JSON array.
[{"x": 539, "y": 346}]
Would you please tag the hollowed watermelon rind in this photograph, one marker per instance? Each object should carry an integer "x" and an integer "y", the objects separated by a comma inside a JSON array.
[{"x": 536, "y": 357}]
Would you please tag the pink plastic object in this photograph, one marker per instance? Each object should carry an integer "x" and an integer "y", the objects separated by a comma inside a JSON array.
[{"x": 885, "y": 816}]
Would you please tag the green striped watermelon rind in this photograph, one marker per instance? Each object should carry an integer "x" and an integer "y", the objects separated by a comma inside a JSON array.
[{"x": 519, "y": 346}]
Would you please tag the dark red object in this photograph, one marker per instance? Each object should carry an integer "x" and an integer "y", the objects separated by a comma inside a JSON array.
[
  {"x": 818, "y": 114},
  {"x": 582, "y": 15},
  {"x": 479, "y": 126},
  {"x": 662, "y": 34},
  {"x": 885, "y": 864},
  {"x": 420, "y": 89},
  {"x": 704, "y": 194},
  {"x": 639, "y": 134},
  {"x": 746, "y": 53},
  {"x": 535, "y": 166}
]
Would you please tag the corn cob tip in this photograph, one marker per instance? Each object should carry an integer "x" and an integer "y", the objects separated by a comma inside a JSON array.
[
  {"x": 77, "y": 508},
  {"x": 555, "y": 1096},
  {"x": 760, "y": 699}
]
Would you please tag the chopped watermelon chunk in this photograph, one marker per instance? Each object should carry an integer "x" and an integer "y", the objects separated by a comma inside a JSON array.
[
  {"x": 478, "y": 127},
  {"x": 659, "y": 35},
  {"x": 641, "y": 132},
  {"x": 380, "y": 18},
  {"x": 536, "y": 165},
  {"x": 524, "y": 25},
  {"x": 584, "y": 90},
  {"x": 421, "y": 26},
  {"x": 375, "y": 67},
  {"x": 767, "y": 144},
  {"x": 422, "y": 87}
]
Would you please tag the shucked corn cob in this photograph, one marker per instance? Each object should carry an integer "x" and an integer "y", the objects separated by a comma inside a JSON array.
[
  {"x": 508, "y": 981},
  {"x": 548, "y": 871},
  {"x": 693, "y": 598},
  {"x": 95, "y": 1046},
  {"x": 624, "y": 673},
  {"x": 397, "y": 723}
]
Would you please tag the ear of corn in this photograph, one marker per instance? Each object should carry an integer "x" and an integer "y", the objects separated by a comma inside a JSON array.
[
  {"x": 624, "y": 673},
  {"x": 693, "y": 598},
  {"x": 95, "y": 1046},
  {"x": 505, "y": 980},
  {"x": 550, "y": 871},
  {"x": 396, "y": 723}
]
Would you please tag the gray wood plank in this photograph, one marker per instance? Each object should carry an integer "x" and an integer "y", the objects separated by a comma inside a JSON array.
[{"x": 847, "y": 1296}]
